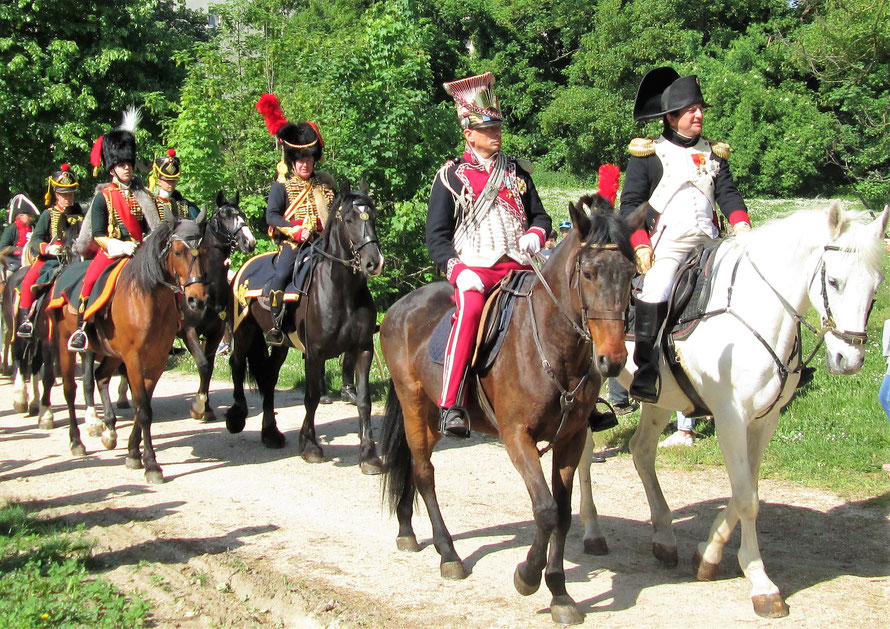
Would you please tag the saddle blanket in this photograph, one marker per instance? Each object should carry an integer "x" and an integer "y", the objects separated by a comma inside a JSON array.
[
  {"x": 496, "y": 317},
  {"x": 252, "y": 281},
  {"x": 66, "y": 290}
]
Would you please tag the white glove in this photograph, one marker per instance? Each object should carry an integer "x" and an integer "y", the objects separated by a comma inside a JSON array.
[
  {"x": 115, "y": 248},
  {"x": 740, "y": 228},
  {"x": 530, "y": 243},
  {"x": 53, "y": 250},
  {"x": 469, "y": 280}
]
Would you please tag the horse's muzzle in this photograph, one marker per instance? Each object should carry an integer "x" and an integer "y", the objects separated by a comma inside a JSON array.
[
  {"x": 373, "y": 270},
  {"x": 608, "y": 366}
]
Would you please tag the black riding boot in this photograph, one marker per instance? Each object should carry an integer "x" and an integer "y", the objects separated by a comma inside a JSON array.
[
  {"x": 79, "y": 341},
  {"x": 26, "y": 329},
  {"x": 276, "y": 306},
  {"x": 648, "y": 321}
]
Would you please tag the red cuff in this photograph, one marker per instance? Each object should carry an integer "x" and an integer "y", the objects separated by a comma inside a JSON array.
[
  {"x": 540, "y": 232},
  {"x": 640, "y": 238},
  {"x": 43, "y": 247},
  {"x": 739, "y": 216},
  {"x": 455, "y": 266}
]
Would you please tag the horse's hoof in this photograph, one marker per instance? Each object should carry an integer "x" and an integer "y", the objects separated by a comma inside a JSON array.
[
  {"x": 33, "y": 410},
  {"x": 109, "y": 440},
  {"x": 77, "y": 449},
  {"x": 95, "y": 430},
  {"x": 371, "y": 467},
  {"x": 770, "y": 605},
  {"x": 523, "y": 586},
  {"x": 596, "y": 546},
  {"x": 155, "y": 477},
  {"x": 453, "y": 570},
  {"x": 133, "y": 464},
  {"x": 273, "y": 439},
  {"x": 19, "y": 407},
  {"x": 408, "y": 543},
  {"x": 704, "y": 571},
  {"x": 46, "y": 423},
  {"x": 123, "y": 405},
  {"x": 564, "y": 611},
  {"x": 667, "y": 555},
  {"x": 312, "y": 454},
  {"x": 196, "y": 415},
  {"x": 209, "y": 415},
  {"x": 236, "y": 418}
]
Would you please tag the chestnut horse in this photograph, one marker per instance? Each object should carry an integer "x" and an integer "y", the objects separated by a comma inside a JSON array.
[
  {"x": 565, "y": 336},
  {"x": 142, "y": 322}
]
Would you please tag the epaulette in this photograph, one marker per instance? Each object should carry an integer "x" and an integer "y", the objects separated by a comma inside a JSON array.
[
  {"x": 526, "y": 165},
  {"x": 641, "y": 147},
  {"x": 720, "y": 149}
]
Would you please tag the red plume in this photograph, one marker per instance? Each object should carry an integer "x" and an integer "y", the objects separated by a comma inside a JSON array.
[
  {"x": 608, "y": 183},
  {"x": 270, "y": 108},
  {"x": 96, "y": 155},
  {"x": 171, "y": 152},
  {"x": 65, "y": 168}
]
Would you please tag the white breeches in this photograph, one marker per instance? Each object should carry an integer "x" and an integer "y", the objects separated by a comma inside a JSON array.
[{"x": 670, "y": 250}]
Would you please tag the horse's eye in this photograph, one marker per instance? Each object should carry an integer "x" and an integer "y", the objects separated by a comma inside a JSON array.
[
  {"x": 832, "y": 282},
  {"x": 588, "y": 274}
]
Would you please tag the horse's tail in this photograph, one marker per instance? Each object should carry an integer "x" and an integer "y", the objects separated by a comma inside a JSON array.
[{"x": 398, "y": 473}]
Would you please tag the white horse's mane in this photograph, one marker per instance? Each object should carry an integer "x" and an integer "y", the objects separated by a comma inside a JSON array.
[{"x": 798, "y": 234}]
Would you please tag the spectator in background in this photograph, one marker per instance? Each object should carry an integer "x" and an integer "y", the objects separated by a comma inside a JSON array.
[
  {"x": 549, "y": 244},
  {"x": 564, "y": 228}
]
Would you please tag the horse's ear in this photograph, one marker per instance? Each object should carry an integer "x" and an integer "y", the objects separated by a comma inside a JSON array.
[
  {"x": 580, "y": 221},
  {"x": 363, "y": 187},
  {"x": 836, "y": 220},
  {"x": 201, "y": 217},
  {"x": 880, "y": 223},
  {"x": 238, "y": 199},
  {"x": 345, "y": 188},
  {"x": 220, "y": 199},
  {"x": 637, "y": 218}
]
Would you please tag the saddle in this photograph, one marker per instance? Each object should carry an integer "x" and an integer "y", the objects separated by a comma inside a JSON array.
[
  {"x": 66, "y": 290},
  {"x": 687, "y": 306},
  {"x": 496, "y": 316},
  {"x": 251, "y": 283}
]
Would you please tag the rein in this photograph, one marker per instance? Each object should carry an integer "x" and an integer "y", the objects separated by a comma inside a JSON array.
[
  {"x": 193, "y": 242},
  {"x": 354, "y": 264}
]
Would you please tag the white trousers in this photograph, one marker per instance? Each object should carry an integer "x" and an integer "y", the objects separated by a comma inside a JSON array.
[{"x": 670, "y": 249}]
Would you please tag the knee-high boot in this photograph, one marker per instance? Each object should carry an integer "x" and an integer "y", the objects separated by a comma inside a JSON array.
[
  {"x": 648, "y": 321},
  {"x": 276, "y": 308},
  {"x": 79, "y": 341}
]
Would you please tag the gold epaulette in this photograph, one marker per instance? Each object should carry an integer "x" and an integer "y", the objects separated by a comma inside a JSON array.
[
  {"x": 720, "y": 149},
  {"x": 641, "y": 147}
]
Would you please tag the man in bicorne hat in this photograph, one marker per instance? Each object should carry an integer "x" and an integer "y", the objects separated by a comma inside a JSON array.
[
  {"x": 121, "y": 214},
  {"x": 485, "y": 219},
  {"x": 15, "y": 235},
  {"x": 165, "y": 174},
  {"x": 298, "y": 203},
  {"x": 684, "y": 177},
  {"x": 46, "y": 241}
]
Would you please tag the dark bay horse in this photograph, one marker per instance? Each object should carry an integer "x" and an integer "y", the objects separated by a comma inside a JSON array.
[
  {"x": 337, "y": 316},
  {"x": 203, "y": 330},
  {"x": 142, "y": 322},
  {"x": 562, "y": 341}
]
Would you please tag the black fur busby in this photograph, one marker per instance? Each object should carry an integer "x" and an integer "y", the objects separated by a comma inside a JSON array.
[
  {"x": 299, "y": 141},
  {"x": 663, "y": 91},
  {"x": 117, "y": 146}
]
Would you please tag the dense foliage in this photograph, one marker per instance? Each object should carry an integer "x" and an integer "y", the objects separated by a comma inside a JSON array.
[{"x": 799, "y": 89}]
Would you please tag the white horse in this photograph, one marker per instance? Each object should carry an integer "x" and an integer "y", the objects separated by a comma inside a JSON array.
[{"x": 782, "y": 269}]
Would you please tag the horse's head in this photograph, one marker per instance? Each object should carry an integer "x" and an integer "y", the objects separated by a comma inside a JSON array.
[
  {"x": 229, "y": 225},
  {"x": 600, "y": 263},
  {"x": 843, "y": 285},
  {"x": 351, "y": 232},
  {"x": 185, "y": 261}
]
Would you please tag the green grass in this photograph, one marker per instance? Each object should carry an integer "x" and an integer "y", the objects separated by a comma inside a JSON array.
[
  {"x": 45, "y": 582},
  {"x": 833, "y": 435}
]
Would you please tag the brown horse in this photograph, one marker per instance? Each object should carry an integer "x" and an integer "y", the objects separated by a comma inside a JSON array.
[
  {"x": 565, "y": 336},
  {"x": 138, "y": 331}
]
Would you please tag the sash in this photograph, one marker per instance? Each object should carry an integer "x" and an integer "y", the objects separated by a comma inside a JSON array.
[
  {"x": 292, "y": 208},
  {"x": 475, "y": 210},
  {"x": 122, "y": 208}
]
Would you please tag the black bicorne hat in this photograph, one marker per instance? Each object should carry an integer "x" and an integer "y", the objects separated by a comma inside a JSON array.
[
  {"x": 663, "y": 91},
  {"x": 299, "y": 141}
]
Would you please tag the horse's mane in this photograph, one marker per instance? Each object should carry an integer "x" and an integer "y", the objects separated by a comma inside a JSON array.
[
  {"x": 797, "y": 234},
  {"x": 146, "y": 269},
  {"x": 606, "y": 225}
]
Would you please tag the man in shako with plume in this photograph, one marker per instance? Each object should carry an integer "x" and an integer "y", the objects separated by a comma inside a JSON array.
[
  {"x": 683, "y": 176},
  {"x": 121, "y": 213},
  {"x": 22, "y": 214},
  {"x": 484, "y": 219},
  {"x": 299, "y": 199},
  {"x": 165, "y": 173},
  {"x": 46, "y": 241}
]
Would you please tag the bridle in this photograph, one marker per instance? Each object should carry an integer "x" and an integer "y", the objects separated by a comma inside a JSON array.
[
  {"x": 367, "y": 238},
  {"x": 227, "y": 238},
  {"x": 193, "y": 242},
  {"x": 828, "y": 324}
]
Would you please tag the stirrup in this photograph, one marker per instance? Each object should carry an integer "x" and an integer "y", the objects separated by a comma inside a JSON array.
[
  {"x": 454, "y": 422},
  {"x": 78, "y": 341},
  {"x": 25, "y": 330},
  {"x": 274, "y": 337}
]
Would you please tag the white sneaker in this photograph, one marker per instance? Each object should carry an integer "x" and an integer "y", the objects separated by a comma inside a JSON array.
[{"x": 679, "y": 438}]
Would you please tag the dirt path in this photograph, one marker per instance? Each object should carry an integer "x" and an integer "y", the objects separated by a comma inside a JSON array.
[{"x": 245, "y": 536}]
